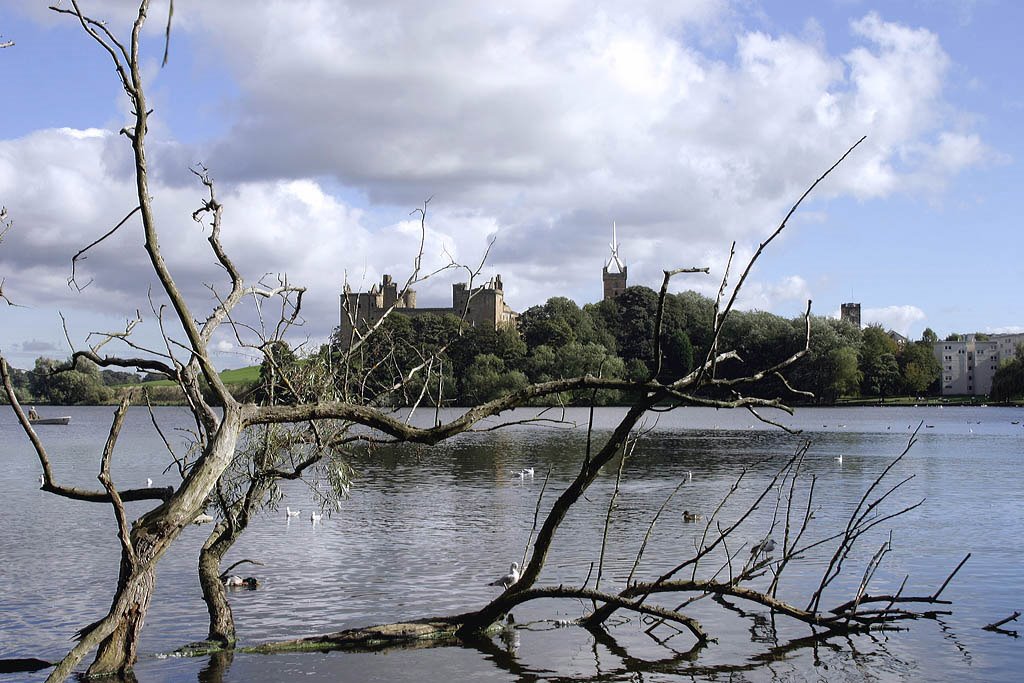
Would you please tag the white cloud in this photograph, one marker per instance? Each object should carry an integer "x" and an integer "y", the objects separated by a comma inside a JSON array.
[
  {"x": 902, "y": 319},
  {"x": 538, "y": 126}
]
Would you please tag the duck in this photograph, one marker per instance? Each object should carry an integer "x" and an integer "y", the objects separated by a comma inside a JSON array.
[
  {"x": 509, "y": 579},
  {"x": 292, "y": 513},
  {"x": 250, "y": 582},
  {"x": 691, "y": 516}
]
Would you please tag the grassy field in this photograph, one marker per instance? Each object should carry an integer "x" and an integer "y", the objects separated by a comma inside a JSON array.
[{"x": 239, "y": 376}]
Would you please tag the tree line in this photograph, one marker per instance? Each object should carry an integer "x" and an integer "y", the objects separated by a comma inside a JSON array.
[
  {"x": 67, "y": 383},
  {"x": 615, "y": 339}
]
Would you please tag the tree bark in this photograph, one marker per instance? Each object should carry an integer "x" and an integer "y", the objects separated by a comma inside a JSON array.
[
  {"x": 222, "y": 620},
  {"x": 151, "y": 536}
]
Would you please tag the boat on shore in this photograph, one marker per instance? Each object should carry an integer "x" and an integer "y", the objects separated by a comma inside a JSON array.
[{"x": 50, "y": 420}]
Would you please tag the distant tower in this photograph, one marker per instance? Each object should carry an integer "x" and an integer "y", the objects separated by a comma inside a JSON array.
[
  {"x": 614, "y": 281},
  {"x": 850, "y": 313}
]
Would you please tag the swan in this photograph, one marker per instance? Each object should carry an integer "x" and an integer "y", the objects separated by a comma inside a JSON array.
[
  {"x": 292, "y": 513},
  {"x": 691, "y": 516},
  {"x": 250, "y": 582},
  {"x": 509, "y": 579},
  {"x": 315, "y": 517}
]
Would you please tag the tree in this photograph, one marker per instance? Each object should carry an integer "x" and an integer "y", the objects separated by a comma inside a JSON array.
[
  {"x": 920, "y": 368},
  {"x": 929, "y": 336},
  {"x": 487, "y": 379},
  {"x": 1008, "y": 382},
  {"x": 878, "y": 363}
]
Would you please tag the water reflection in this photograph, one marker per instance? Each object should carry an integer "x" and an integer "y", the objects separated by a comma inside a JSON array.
[{"x": 424, "y": 531}]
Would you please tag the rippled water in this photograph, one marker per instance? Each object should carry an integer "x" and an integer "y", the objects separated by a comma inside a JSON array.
[{"x": 425, "y": 529}]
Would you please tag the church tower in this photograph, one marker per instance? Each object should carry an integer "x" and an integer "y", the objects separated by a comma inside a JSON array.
[{"x": 614, "y": 280}]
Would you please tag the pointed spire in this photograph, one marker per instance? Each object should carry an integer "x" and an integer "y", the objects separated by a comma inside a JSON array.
[{"x": 614, "y": 258}]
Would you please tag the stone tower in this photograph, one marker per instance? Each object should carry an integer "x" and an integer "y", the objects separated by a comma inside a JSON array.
[
  {"x": 850, "y": 313},
  {"x": 614, "y": 280}
]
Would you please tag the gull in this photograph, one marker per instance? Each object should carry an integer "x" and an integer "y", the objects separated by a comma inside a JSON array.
[
  {"x": 509, "y": 579},
  {"x": 315, "y": 517},
  {"x": 149, "y": 482},
  {"x": 292, "y": 513},
  {"x": 527, "y": 471},
  {"x": 766, "y": 546}
]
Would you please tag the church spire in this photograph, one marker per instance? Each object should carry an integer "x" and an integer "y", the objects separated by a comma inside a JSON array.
[
  {"x": 614, "y": 280},
  {"x": 614, "y": 258}
]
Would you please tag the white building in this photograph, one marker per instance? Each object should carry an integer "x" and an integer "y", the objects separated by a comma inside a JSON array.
[{"x": 968, "y": 365}]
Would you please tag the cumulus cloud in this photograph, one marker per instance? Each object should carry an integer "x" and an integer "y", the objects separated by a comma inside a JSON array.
[
  {"x": 902, "y": 319},
  {"x": 536, "y": 127}
]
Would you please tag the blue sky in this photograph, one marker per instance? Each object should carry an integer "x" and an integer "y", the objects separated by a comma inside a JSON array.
[{"x": 325, "y": 123}]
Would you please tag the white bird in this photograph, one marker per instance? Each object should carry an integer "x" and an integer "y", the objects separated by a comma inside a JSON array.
[
  {"x": 527, "y": 471},
  {"x": 292, "y": 513},
  {"x": 689, "y": 475},
  {"x": 149, "y": 482},
  {"x": 315, "y": 517},
  {"x": 839, "y": 458},
  {"x": 509, "y": 579},
  {"x": 766, "y": 546},
  {"x": 202, "y": 519}
]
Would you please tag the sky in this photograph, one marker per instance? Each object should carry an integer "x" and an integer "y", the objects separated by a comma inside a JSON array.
[{"x": 535, "y": 125}]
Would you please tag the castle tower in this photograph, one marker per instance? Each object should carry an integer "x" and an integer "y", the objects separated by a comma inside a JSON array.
[
  {"x": 850, "y": 313},
  {"x": 614, "y": 280}
]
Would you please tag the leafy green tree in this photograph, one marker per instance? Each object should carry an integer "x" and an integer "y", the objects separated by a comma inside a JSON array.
[
  {"x": 829, "y": 370},
  {"x": 920, "y": 368},
  {"x": 878, "y": 363},
  {"x": 1008, "y": 382},
  {"x": 487, "y": 378},
  {"x": 846, "y": 377},
  {"x": 278, "y": 362},
  {"x": 929, "y": 336},
  {"x": 58, "y": 383}
]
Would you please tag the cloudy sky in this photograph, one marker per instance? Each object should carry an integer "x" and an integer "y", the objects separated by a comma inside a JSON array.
[{"x": 325, "y": 123}]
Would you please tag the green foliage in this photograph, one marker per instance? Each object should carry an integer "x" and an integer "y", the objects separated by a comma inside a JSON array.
[
  {"x": 920, "y": 368},
  {"x": 1008, "y": 382},
  {"x": 61, "y": 384},
  {"x": 279, "y": 362},
  {"x": 487, "y": 378}
]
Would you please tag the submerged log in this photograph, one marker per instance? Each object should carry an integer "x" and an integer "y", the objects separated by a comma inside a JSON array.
[{"x": 401, "y": 635}]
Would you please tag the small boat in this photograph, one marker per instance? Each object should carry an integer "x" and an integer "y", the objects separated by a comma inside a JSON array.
[{"x": 50, "y": 420}]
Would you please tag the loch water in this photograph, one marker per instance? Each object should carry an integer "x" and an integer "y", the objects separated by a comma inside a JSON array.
[{"x": 424, "y": 529}]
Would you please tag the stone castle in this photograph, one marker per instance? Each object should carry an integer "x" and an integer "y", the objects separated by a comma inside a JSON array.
[{"x": 484, "y": 305}]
